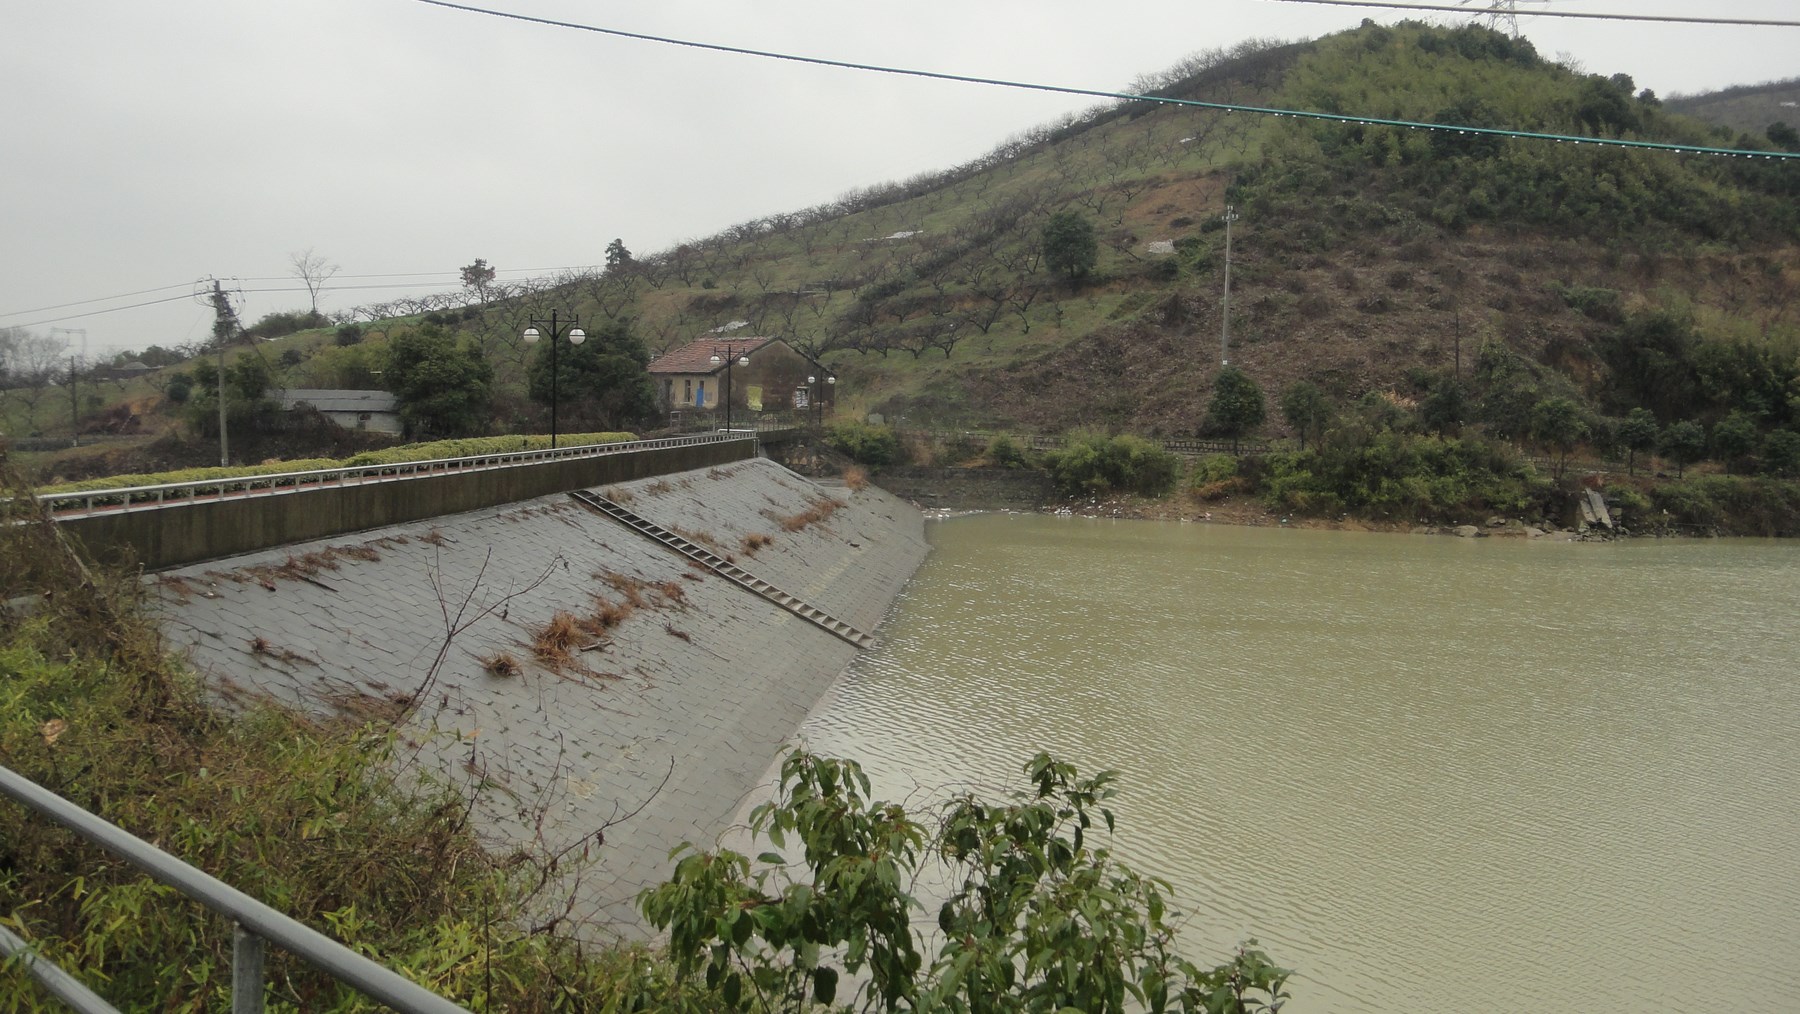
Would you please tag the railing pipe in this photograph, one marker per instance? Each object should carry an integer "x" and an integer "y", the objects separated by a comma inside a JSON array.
[
  {"x": 250, "y": 915},
  {"x": 176, "y": 492},
  {"x": 55, "y": 981}
]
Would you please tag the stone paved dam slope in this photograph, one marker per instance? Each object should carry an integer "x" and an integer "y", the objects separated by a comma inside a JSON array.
[{"x": 579, "y": 681}]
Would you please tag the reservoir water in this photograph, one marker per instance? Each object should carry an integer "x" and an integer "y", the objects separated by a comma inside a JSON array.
[{"x": 1426, "y": 773}]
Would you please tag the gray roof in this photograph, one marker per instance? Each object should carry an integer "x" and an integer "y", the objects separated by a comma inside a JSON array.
[{"x": 328, "y": 400}]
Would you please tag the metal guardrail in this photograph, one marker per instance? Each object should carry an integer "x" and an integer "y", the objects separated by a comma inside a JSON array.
[
  {"x": 1056, "y": 441},
  {"x": 126, "y": 498},
  {"x": 255, "y": 922}
]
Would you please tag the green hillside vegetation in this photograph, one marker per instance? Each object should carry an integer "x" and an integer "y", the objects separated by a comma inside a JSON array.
[{"x": 1424, "y": 284}]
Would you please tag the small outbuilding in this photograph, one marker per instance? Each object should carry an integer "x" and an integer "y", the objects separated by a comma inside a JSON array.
[{"x": 375, "y": 411}]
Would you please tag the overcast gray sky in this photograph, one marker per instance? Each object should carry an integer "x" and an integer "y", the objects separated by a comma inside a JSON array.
[{"x": 147, "y": 145}]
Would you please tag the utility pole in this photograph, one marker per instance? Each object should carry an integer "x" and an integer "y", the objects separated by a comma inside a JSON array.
[
  {"x": 74, "y": 392},
  {"x": 1231, "y": 216},
  {"x": 225, "y": 327}
]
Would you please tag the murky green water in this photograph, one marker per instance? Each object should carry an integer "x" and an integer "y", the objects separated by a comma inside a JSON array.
[{"x": 1430, "y": 773}]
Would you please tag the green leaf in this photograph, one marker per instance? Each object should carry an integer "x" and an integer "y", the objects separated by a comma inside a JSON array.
[
  {"x": 734, "y": 989},
  {"x": 824, "y": 984}
]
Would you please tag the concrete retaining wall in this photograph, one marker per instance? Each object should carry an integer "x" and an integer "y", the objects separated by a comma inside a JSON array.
[
  {"x": 191, "y": 531},
  {"x": 970, "y": 488},
  {"x": 650, "y": 733}
]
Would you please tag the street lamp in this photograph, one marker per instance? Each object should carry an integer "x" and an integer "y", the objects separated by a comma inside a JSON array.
[
  {"x": 731, "y": 356},
  {"x": 575, "y": 335},
  {"x": 818, "y": 403}
]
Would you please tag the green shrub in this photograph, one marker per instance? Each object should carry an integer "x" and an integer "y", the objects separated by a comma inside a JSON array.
[
  {"x": 470, "y": 447},
  {"x": 875, "y": 446},
  {"x": 1629, "y": 500},
  {"x": 1003, "y": 452},
  {"x": 1400, "y": 475},
  {"x": 1734, "y": 505},
  {"x": 1687, "y": 504},
  {"x": 1214, "y": 468},
  {"x": 1093, "y": 463}
]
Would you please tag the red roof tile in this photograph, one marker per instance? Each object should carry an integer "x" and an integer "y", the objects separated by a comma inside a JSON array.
[{"x": 696, "y": 357}]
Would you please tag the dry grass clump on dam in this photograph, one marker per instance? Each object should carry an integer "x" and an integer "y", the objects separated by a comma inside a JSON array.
[
  {"x": 556, "y": 643},
  {"x": 819, "y": 509}
]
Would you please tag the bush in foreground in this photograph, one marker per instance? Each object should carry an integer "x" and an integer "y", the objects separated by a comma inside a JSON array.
[{"x": 1039, "y": 916}]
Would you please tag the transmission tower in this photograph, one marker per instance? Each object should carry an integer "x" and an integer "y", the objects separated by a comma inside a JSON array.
[{"x": 1498, "y": 12}]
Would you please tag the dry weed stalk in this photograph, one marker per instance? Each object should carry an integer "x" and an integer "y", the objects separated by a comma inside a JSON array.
[{"x": 500, "y": 663}]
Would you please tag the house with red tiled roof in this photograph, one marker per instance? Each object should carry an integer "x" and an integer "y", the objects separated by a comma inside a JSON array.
[{"x": 761, "y": 376}]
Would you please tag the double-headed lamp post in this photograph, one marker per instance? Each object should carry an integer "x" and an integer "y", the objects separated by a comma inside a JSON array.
[
  {"x": 730, "y": 356},
  {"x": 575, "y": 335},
  {"x": 819, "y": 403}
]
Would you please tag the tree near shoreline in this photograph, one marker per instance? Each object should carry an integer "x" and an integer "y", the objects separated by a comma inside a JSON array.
[
  {"x": 1684, "y": 441},
  {"x": 1307, "y": 410},
  {"x": 1236, "y": 407},
  {"x": 1637, "y": 433}
]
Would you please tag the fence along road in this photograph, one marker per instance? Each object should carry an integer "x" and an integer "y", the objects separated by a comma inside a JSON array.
[{"x": 129, "y": 498}]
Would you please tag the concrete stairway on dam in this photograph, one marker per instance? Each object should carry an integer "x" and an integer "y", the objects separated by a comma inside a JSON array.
[{"x": 724, "y": 568}]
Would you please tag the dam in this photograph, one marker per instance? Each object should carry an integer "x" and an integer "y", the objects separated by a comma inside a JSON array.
[{"x": 587, "y": 688}]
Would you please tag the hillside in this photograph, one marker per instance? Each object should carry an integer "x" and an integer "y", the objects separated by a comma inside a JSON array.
[
  {"x": 1374, "y": 262},
  {"x": 1748, "y": 109}
]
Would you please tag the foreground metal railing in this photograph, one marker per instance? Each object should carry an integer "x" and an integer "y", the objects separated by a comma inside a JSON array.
[
  {"x": 255, "y": 923},
  {"x": 129, "y": 497}
]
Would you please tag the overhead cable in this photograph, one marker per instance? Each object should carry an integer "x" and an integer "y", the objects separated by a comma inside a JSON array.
[
  {"x": 1229, "y": 107},
  {"x": 96, "y": 313},
  {"x": 96, "y": 299},
  {"x": 1520, "y": 12}
]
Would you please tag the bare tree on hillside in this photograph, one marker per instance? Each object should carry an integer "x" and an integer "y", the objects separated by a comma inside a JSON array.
[
  {"x": 31, "y": 368},
  {"x": 314, "y": 271},
  {"x": 1020, "y": 297},
  {"x": 684, "y": 262}
]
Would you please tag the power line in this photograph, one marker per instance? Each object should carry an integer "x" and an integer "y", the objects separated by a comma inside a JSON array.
[
  {"x": 110, "y": 309},
  {"x": 426, "y": 274},
  {"x": 1228, "y": 107},
  {"x": 1512, "y": 12},
  {"x": 96, "y": 299},
  {"x": 539, "y": 272}
]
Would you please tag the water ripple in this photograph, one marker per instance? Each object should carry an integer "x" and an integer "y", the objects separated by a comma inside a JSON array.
[{"x": 1428, "y": 773}]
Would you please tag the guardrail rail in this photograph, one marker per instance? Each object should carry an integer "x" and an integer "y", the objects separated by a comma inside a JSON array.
[
  {"x": 255, "y": 923},
  {"x": 127, "y": 498}
]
